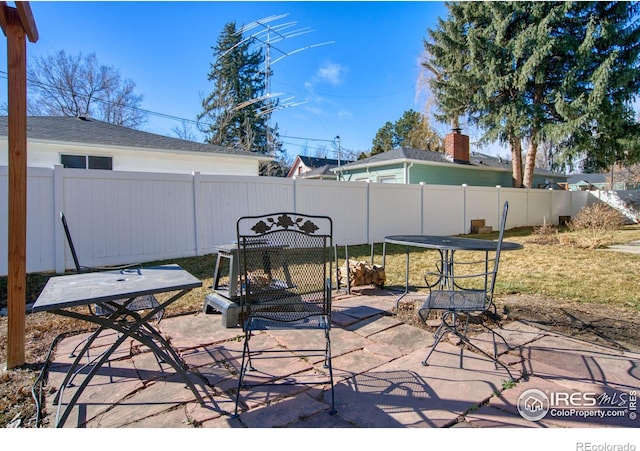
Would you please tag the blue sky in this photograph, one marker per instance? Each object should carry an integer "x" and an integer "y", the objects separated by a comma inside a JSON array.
[{"x": 349, "y": 88}]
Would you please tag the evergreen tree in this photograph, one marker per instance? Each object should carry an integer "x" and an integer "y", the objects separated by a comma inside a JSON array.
[
  {"x": 607, "y": 51},
  {"x": 559, "y": 73},
  {"x": 411, "y": 130},
  {"x": 384, "y": 139},
  {"x": 237, "y": 112},
  {"x": 448, "y": 61}
]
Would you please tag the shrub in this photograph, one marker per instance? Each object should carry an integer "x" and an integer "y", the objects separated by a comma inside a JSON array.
[
  {"x": 599, "y": 216},
  {"x": 593, "y": 225},
  {"x": 545, "y": 234}
]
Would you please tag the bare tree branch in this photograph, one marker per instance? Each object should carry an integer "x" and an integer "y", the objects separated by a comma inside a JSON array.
[{"x": 67, "y": 85}]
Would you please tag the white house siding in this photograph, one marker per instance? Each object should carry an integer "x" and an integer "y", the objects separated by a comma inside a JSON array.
[{"x": 45, "y": 154}]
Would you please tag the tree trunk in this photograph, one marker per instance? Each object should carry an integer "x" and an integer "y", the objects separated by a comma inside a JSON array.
[
  {"x": 516, "y": 161},
  {"x": 530, "y": 163}
]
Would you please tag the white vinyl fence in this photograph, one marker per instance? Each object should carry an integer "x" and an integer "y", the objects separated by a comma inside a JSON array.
[{"x": 125, "y": 217}]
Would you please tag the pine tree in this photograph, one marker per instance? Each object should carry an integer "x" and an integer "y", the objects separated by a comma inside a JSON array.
[
  {"x": 237, "y": 112},
  {"x": 559, "y": 73},
  {"x": 411, "y": 130},
  {"x": 447, "y": 61},
  {"x": 384, "y": 139},
  {"x": 607, "y": 57}
]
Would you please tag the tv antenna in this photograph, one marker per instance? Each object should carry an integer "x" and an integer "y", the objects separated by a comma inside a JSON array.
[
  {"x": 266, "y": 33},
  {"x": 269, "y": 33}
]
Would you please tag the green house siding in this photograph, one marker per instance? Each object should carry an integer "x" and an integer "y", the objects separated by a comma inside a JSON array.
[
  {"x": 439, "y": 175},
  {"x": 391, "y": 174}
]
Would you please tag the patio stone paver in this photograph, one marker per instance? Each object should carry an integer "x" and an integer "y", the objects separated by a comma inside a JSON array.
[
  {"x": 573, "y": 359},
  {"x": 406, "y": 337},
  {"x": 357, "y": 362},
  {"x": 284, "y": 412},
  {"x": 197, "y": 330},
  {"x": 388, "y": 399},
  {"x": 176, "y": 418},
  {"x": 215, "y": 413},
  {"x": 110, "y": 384},
  {"x": 160, "y": 396},
  {"x": 379, "y": 378},
  {"x": 492, "y": 417},
  {"x": 373, "y": 325},
  {"x": 342, "y": 320}
]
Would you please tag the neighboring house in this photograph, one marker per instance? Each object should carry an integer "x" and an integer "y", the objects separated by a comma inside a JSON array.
[
  {"x": 587, "y": 182},
  {"x": 456, "y": 166},
  {"x": 92, "y": 144},
  {"x": 592, "y": 182},
  {"x": 315, "y": 168}
]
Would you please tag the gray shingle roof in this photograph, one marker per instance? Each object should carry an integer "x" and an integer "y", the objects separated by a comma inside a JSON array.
[
  {"x": 407, "y": 153},
  {"x": 320, "y": 171},
  {"x": 92, "y": 131},
  {"x": 314, "y": 162},
  {"x": 588, "y": 178}
]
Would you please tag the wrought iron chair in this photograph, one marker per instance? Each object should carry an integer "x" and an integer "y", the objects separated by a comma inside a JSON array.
[
  {"x": 146, "y": 302},
  {"x": 285, "y": 270},
  {"x": 467, "y": 290}
]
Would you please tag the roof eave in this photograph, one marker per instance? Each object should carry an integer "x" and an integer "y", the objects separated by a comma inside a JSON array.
[{"x": 249, "y": 155}]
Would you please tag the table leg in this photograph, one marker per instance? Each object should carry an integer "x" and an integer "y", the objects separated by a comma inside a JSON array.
[
  {"x": 72, "y": 370},
  {"x": 406, "y": 280},
  {"x": 139, "y": 330}
]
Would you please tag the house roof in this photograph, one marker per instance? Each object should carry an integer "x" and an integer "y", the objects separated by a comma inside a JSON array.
[
  {"x": 314, "y": 162},
  {"x": 575, "y": 179},
  {"x": 408, "y": 154},
  {"x": 321, "y": 171},
  {"x": 93, "y": 131},
  {"x": 319, "y": 166}
]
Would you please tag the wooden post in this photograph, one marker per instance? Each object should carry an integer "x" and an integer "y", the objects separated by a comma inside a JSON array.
[
  {"x": 16, "y": 281},
  {"x": 17, "y": 24}
]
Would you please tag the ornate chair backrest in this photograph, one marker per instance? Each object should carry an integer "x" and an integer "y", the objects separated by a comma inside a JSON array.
[{"x": 285, "y": 263}]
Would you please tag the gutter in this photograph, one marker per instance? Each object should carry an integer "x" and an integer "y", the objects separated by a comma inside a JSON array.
[{"x": 407, "y": 170}]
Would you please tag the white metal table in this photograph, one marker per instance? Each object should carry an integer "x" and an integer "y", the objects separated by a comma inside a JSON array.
[{"x": 115, "y": 291}]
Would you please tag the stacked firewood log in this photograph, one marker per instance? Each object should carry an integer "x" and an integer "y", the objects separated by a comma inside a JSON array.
[{"x": 361, "y": 273}]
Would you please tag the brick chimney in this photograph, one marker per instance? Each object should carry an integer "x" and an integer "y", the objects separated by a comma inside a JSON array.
[{"x": 456, "y": 146}]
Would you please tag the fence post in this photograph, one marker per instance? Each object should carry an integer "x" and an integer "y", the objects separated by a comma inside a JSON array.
[
  {"x": 464, "y": 208},
  {"x": 499, "y": 209},
  {"x": 422, "y": 212},
  {"x": 295, "y": 195},
  {"x": 368, "y": 211},
  {"x": 197, "y": 196},
  {"x": 58, "y": 207}
]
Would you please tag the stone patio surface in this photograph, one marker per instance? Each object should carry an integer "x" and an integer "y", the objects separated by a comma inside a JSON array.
[{"x": 379, "y": 379}]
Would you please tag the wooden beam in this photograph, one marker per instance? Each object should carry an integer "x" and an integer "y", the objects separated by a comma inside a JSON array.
[
  {"x": 3, "y": 16},
  {"x": 17, "y": 194},
  {"x": 16, "y": 282},
  {"x": 27, "y": 20}
]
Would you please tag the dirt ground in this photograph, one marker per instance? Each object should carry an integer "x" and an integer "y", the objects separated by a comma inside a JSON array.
[
  {"x": 607, "y": 325},
  {"x": 610, "y": 326}
]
